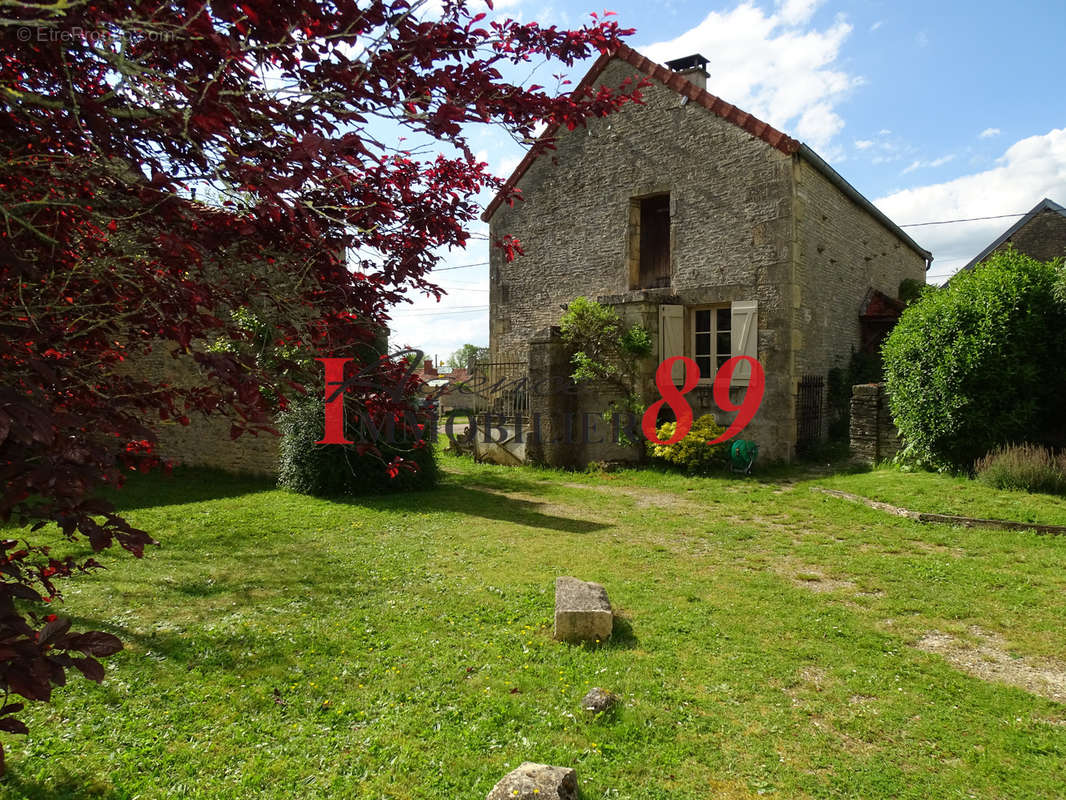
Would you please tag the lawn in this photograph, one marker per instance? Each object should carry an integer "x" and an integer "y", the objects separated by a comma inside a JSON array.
[
  {"x": 948, "y": 494},
  {"x": 400, "y": 647}
]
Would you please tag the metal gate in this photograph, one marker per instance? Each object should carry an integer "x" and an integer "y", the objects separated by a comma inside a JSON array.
[
  {"x": 809, "y": 413},
  {"x": 500, "y": 387}
]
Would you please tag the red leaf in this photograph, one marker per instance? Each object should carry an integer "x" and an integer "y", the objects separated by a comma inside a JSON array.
[
  {"x": 53, "y": 628},
  {"x": 12, "y": 725},
  {"x": 90, "y": 668},
  {"x": 95, "y": 643}
]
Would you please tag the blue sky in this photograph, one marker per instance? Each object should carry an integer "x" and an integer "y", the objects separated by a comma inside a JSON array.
[{"x": 934, "y": 110}]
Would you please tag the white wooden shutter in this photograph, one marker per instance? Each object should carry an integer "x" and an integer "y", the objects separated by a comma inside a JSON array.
[
  {"x": 745, "y": 337},
  {"x": 672, "y": 338}
]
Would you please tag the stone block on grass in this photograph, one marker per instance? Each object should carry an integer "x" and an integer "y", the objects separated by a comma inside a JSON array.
[
  {"x": 582, "y": 611},
  {"x": 536, "y": 782}
]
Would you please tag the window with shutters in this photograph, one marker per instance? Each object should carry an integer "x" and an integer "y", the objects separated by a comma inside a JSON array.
[
  {"x": 649, "y": 242},
  {"x": 712, "y": 339}
]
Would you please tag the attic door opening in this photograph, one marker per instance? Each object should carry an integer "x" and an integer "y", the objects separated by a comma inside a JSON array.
[{"x": 650, "y": 242}]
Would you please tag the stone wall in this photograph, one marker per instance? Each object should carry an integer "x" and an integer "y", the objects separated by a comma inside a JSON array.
[
  {"x": 874, "y": 437},
  {"x": 205, "y": 441},
  {"x": 842, "y": 252},
  {"x": 572, "y": 431},
  {"x": 730, "y": 197}
]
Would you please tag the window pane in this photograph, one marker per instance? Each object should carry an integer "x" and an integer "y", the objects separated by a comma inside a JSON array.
[
  {"x": 703, "y": 321},
  {"x": 722, "y": 360},
  {"x": 703, "y": 344},
  {"x": 704, "y": 363},
  {"x": 722, "y": 342},
  {"x": 723, "y": 319}
]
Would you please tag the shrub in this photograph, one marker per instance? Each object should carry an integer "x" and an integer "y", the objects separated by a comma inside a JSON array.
[
  {"x": 692, "y": 453},
  {"x": 1027, "y": 467},
  {"x": 327, "y": 470},
  {"x": 604, "y": 348},
  {"x": 979, "y": 363},
  {"x": 910, "y": 290}
]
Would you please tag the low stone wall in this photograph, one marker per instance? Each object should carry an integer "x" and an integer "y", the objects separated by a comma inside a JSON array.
[
  {"x": 205, "y": 441},
  {"x": 572, "y": 430},
  {"x": 874, "y": 437}
]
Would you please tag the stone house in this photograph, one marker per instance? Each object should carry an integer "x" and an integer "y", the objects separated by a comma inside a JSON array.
[
  {"x": 720, "y": 234},
  {"x": 1041, "y": 234}
]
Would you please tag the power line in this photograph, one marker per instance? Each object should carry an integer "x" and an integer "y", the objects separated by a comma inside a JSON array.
[
  {"x": 461, "y": 283},
  {"x": 970, "y": 219},
  {"x": 464, "y": 310},
  {"x": 461, "y": 266}
]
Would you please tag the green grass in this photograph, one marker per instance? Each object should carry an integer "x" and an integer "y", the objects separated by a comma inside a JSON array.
[
  {"x": 947, "y": 494},
  {"x": 400, "y": 647}
]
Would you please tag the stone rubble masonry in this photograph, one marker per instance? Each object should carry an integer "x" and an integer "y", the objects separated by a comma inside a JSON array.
[
  {"x": 841, "y": 253},
  {"x": 582, "y": 611},
  {"x": 1042, "y": 238},
  {"x": 874, "y": 437},
  {"x": 591, "y": 437},
  {"x": 205, "y": 441},
  {"x": 748, "y": 222}
]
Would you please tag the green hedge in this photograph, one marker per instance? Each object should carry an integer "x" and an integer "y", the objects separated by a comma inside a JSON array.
[
  {"x": 979, "y": 363},
  {"x": 332, "y": 469}
]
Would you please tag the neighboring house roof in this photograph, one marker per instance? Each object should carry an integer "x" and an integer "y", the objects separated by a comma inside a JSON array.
[
  {"x": 716, "y": 105},
  {"x": 1042, "y": 206}
]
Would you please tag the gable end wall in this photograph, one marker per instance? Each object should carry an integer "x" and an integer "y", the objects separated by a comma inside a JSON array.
[{"x": 731, "y": 233}]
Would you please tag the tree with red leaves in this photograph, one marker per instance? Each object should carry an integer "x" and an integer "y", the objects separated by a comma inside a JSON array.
[{"x": 111, "y": 113}]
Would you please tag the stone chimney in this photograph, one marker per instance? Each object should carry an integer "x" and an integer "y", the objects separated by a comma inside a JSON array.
[{"x": 693, "y": 68}]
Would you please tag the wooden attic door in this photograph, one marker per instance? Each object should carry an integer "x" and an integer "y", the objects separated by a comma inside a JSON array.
[{"x": 649, "y": 242}]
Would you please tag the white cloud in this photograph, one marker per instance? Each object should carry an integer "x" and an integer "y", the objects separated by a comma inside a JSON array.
[
  {"x": 1030, "y": 170},
  {"x": 796, "y": 12},
  {"x": 876, "y": 25},
  {"x": 506, "y": 166},
  {"x": 775, "y": 65},
  {"x": 988, "y": 133},
  {"x": 883, "y": 149},
  {"x": 936, "y": 162}
]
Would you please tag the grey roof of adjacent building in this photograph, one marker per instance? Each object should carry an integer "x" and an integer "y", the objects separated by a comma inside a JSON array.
[{"x": 1042, "y": 206}]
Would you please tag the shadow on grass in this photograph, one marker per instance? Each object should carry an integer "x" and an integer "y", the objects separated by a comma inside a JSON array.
[
  {"x": 69, "y": 787},
  {"x": 622, "y": 636},
  {"x": 479, "y": 503},
  {"x": 193, "y": 648},
  {"x": 185, "y": 485}
]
